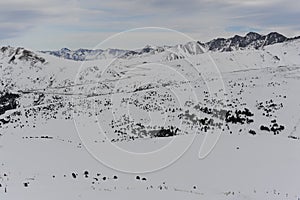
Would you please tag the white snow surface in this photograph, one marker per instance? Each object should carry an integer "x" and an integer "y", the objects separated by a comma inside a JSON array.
[{"x": 241, "y": 166}]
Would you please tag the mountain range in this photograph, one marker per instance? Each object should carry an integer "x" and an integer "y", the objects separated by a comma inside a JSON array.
[
  {"x": 251, "y": 40},
  {"x": 55, "y": 112}
]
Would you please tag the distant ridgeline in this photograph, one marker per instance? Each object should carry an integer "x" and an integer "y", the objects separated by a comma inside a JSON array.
[{"x": 251, "y": 40}]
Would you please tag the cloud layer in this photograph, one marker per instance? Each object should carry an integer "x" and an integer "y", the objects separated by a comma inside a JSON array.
[{"x": 37, "y": 22}]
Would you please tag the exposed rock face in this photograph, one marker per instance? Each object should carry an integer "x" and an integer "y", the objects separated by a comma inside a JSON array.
[{"x": 251, "y": 40}]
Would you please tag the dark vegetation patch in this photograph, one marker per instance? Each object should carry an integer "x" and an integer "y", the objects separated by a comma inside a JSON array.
[
  {"x": 273, "y": 127},
  {"x": 8, "y": 101},
  {"x": 252, "y": 132},
  {"x": 293, "y": 137},
  {"x": 221, "y": 113},
  {"x": 269, "y": 107},
  {"x": 167, "y": 132},
  {"x": 230, "y": 116},
  {"x": 38, "y": 137},
  {"x": 239, "y": 116}
]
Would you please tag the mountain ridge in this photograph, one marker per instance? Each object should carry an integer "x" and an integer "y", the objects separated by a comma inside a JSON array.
[{"x": 251, "y": 40}]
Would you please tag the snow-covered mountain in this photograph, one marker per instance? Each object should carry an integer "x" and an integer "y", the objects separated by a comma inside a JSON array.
[
  {"x": 13, "y": 55},
  {"x": 39, "y": 71},
  {"x": 86, "y": 54},
  {"x": 151, "y": 95},
  {"x": 251, "y": 40}
]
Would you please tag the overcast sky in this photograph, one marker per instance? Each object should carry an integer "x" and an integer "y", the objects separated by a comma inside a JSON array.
[{"x": 53, "y": 24}]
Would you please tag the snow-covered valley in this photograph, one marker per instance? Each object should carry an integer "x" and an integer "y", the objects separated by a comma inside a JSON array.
[{"x": 50, "y": 106}]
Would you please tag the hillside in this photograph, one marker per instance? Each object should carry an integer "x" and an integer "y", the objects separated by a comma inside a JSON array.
[{"x": 246, "y": 92}]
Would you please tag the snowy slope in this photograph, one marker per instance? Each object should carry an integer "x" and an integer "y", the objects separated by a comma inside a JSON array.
[
  {"x": 257, "y": 112},
  {"x": 86, "y": 54}
]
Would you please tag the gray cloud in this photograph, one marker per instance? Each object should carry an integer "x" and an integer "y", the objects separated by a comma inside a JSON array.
[
  {"x": 204, "y": 18},
  {"x": 7, "y": 31}
]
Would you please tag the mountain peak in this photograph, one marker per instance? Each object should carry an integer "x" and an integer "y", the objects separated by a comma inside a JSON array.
[
  {"x": 253, "y": 35},
  {"x": 275, "y": 34},
  {"x": 274, "y": 37},
  {"x": 250, "y": 40},
  {"x": 65, "y": 49},
  {"x": 17, "y": 54}
]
